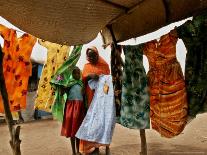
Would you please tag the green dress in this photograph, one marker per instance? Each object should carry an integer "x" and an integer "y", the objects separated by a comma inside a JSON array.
[
  {"x": 194, "y": 35},
  {"x": 135, "y": 105}
]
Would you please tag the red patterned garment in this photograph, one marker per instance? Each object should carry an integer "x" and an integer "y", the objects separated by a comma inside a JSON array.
[
  {"x": 168, "y": 99},
  {"x": 16, "y": 66}
]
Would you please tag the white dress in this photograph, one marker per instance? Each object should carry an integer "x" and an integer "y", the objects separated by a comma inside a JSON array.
[{"x": 99, "y": 122}]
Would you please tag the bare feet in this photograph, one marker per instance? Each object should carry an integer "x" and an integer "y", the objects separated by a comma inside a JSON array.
[{"x": 95, "y": 152}]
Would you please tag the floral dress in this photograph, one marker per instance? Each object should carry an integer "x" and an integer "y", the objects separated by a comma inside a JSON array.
[
  {"x": 56, "y": 56},
  {"x": 17, "y": 67},
  {"x": 168, "y": 98},
  {"x": 135, "y": 110}
]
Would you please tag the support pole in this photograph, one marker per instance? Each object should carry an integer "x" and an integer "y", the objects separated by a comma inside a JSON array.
[
  {"x": 14, "y": 132},
  {"x": 142, "y": 131},
  {"x": 143, "y": 142}
]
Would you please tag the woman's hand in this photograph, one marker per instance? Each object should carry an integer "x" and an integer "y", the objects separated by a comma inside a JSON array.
[{"x": 93, "y": 76}]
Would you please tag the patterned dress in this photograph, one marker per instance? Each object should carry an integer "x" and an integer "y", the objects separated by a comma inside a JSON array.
[
  {"x": 117, "y": 73},
  {"x": 16, "y": 66},
  {"x": 168, "y": 99},
  {"x": 56, "y": 56},
  {"x": 194, "y": 36},
  {"x": 135, "y": 110}
]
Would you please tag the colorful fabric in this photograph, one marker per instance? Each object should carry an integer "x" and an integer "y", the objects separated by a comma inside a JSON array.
[
  {"x": 99, "y": 122},
  {"x": 168, "y": 98},
  {"x": 100, "y": 68},
  {"x": 135, "y": 105},
  {"x": 117, "y": 73},
  {"x": 56, "y": 56},
  {"x": 17, "y": 66},
  {"x": 73, "y": 116},
  {"x": 63, "y": 80},
  {"x": 193, "y": 33}
]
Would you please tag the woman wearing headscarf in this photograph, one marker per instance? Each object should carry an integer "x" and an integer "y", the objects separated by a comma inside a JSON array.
[{"x": 96, "y": 66}]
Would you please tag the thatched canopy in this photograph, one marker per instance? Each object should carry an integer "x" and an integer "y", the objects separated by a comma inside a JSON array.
[{"x": 75, "y": 22}]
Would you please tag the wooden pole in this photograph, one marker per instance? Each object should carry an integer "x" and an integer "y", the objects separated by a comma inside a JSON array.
[
  {"x": 142, "y": 131},
  {"x": 14, "y": 132},
  {"x": 143, "y": 142}
]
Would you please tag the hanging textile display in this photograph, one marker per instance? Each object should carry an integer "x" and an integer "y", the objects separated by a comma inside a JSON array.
[
  {"x": 16, "y": 66},
  {"x": 56, "y": 56},
  {"x": 61, "y": 80},
  {"x": 168, "y": 99},
  {"x": 117, "y": 72},
  {"x": 135, "y": 109},
  {"x": 193, "y": 33}
]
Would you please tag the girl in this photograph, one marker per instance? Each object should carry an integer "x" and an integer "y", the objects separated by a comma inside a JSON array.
[{"x": 74, "y": 110}]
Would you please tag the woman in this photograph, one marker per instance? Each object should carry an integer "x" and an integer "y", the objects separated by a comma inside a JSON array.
[{"x": 96, "y": 66}]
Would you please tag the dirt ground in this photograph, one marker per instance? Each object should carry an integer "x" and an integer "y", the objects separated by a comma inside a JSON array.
[{"x": 43, "y": 138}]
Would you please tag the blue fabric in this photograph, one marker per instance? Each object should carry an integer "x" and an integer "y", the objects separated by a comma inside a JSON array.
[
  {"x": 99, "y": 121},
  {"x": 74, "y": 93}
]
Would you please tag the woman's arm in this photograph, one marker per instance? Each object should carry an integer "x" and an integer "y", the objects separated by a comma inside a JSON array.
[{"x": 92, "y": 76}]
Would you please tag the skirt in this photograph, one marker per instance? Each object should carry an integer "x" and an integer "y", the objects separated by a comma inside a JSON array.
[{"x": 73, "y": 117}]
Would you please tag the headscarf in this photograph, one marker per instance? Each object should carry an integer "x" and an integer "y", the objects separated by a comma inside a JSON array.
[{"x": 101, "y": 67}]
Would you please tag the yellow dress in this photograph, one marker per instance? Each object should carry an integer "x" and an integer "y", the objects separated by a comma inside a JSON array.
[{"x": 56, "y": 56}]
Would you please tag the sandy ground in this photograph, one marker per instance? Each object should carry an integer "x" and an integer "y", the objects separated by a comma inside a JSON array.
[{"x": 43, "y": 138}]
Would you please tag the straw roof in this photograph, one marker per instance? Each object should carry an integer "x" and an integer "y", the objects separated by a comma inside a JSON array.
[{"x": 75, "y": 22}]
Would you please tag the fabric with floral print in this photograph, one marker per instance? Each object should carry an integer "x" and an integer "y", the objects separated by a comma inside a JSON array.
[
  {"x": 135, "y": 110},
  {"x": 17, "y": 67},
  {"x": 56, "y": 56},
  {"x": 117, "y": 73}
]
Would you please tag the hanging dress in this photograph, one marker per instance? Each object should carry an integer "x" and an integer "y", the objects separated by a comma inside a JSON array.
[
  {"x": 16, "y": 66},
  {"x": 194, "y": 35},
  {"x": 135, "y": 110},
  {"x": 56, "y": 56},
  {"x": 168, "y": 99},
  {"x": 117, "y": 73}
]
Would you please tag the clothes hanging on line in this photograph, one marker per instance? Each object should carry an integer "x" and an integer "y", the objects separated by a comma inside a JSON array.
[
  {"x": 135, "y": 105},
  {"x": 168, "y": 98},
  {"x": 194, "y": 35},
  {"x": 99, "y": 122},
  {"x": 56, "y": 56},
  {"x": 16, "y": 66},
  {"x": 117, "y": 73}
]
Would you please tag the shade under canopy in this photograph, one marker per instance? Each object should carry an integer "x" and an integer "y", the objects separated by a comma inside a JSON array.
[{"x": 75, "y": 22}]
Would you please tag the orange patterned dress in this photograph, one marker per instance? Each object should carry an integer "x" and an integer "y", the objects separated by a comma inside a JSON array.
[
  {"x": 16, "y": 67},
  {"x": 168, "y": 102}
]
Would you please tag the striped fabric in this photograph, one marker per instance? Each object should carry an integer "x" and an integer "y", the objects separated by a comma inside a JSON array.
[{"x": 168, "y": 101}]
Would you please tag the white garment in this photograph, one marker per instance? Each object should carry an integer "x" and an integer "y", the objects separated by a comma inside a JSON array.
[{"x": 99, "y": 122}]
